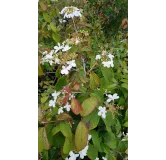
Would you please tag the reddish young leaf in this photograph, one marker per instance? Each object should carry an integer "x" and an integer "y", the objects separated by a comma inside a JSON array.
[
  {"x": 76, "y": 106},
  {"x": 65, "y": 99},
  {"x": 65, "y": 116},
  {"x": 67, "y": 89}
]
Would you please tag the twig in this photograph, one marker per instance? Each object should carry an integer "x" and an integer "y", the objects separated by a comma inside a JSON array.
[
  {"x": 83, "y": 62},
  {"x": 92, "y": 68},
  {"x": 74, "y": 26}
]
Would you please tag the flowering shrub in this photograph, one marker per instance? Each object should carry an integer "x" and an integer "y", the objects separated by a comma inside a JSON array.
[{"x": 83, "y": 77}]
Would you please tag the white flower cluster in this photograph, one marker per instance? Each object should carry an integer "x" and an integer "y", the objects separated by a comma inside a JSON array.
[
  {"x": 69, "y": 64},
  {"x": 74, "y": 40},
  {"x": 112, "y": 97},
  {"x": 82, "y": 153},
  {"x": 109, "y": 63},
  {"x": 52, "y": 57},
  {"x": 64, "y": 47},
  {"x": 53, "y": 102},
  {"x": 67, "y": 107},
  {"x": 102, "y": 112},
  {"x": 70, "y": 12}
]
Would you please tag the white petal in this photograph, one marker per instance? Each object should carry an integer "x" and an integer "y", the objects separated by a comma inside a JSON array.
[
  {"x": 109, "y": 100},
  {"x": 104, "y": 115},
  {"x": 100, "y": 108},
  {"x": 99, "y": 113}
]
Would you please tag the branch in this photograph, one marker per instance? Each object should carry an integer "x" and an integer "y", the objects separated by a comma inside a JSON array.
[{"x": 83, "y": 62}]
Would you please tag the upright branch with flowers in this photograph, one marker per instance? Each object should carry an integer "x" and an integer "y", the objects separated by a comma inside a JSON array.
[{"x": 83, "y": 78}]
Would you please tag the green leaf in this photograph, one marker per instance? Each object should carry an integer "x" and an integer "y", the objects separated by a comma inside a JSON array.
[
  {"x": 95, "y": 139},
  {"x": 125, "y": 124},
  {"x": 53, "y": 27},
  {"x": 92, "y": 120},
  {"x": 61, "y": 83},
  {"x": 44, "y": 99},
  {"x": 65, "y": 129},
  {"x": 85, "y": 49},
  {"x": 105, "y": 148},
  {"x": 45, "y": 155},
  {"x": 92, "y": 152},
  {"x": 117, "y": 126},
  {"x": 99, "y": 95},
  {"x": 49, "y": 128},
  {"x": 56, "y": 37},
  {"x": 59, "y": 140},
  {"x": 110, "y": 140},
  {"x": 40, "y": 71},
  {"x": 122, "y": 146},
  {"x": 124, "y": 85},
  {"x": 107, "y": 73},
  {"x": 94, "y": 81},
  {"x": 56, "y": 130},
  {"x": 126, "y": 115},
  {"x": 109, "y": 121},
  {"x": 112, "y": 86},
  {"x": 42, "y": 140},
  {"x": 58, "y": 73},
  {"x": 110, "y": 157},
  {"x": 46, "y": 17},
  {"x": 81, "y": 136},
  {"x": 88, "y": 106},
  {"x": 68, "y": 146}
]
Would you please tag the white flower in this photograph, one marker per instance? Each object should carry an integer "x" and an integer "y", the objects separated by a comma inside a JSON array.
[
  {"x": 110, "y": 56},
  {"x": 51, "y": 52},
  {"x": 48, "y": 56},
  {"x": 55, "y": 95},
  {"x": 57, "y": 61},
  {"x": 52, "y": 103},
  {"x": 104, "y": 158},
  {"x": 89, "y": 137},
  {"x": 71, "y": 96},
  {"x": 45, "y": 52},
  {"x": 51, "y": 62},
  {"x": 60, "y": 110},
  {"x": 112, "y": 97},
  {"x": 73, "y": 156},
  {"x": 70, "y": 12},
  {"x": 83, "y": 152},
  {"x": 67, "y": 107},
  {"x": 97, "y": 158},
  {"x": 57, "y": 48},
  {"x": 66, "y": 48},
  {"x": 64, "y": 70},
  {"x": 71, "y": 64},
  {"x": 108, "y": 64},
  {"x": 102, "y": 111},
  {"x": 98, "y": 57}
]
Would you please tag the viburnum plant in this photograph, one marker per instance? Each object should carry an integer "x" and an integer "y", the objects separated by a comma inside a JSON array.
[{"x": 83, "y": 88}]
